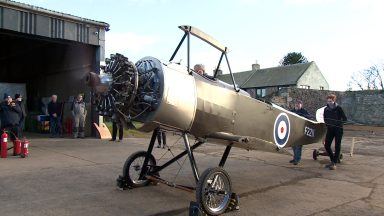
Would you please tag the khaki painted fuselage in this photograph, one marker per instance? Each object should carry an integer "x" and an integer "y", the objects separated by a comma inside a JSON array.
[{"x": 210, "y": 109}]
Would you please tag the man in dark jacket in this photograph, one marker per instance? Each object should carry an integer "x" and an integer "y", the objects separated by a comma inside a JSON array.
[
  {"x": 10, "y": 113},
  {"x": 54, "y": 111},
  {"x": 334, "y": 118},
  {"x": 19, "y": 101},
  {"x": 297, "y": 149}
]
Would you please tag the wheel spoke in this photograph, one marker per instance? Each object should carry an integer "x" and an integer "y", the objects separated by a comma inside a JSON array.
[
  {"x": 135, "y": 169},
  {"x": 216, "y": 191}
]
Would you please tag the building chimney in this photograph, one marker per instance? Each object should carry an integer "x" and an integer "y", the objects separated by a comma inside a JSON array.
[{"x": 255, "y": 66}]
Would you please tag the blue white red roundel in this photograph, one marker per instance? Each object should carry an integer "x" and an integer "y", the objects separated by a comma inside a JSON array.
[{"x": 281, "y": 130}]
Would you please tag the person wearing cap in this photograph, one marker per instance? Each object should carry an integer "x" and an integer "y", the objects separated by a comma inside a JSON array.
[
  {"x": 297, "y": 149},
  {"x": 79, "y": 113},
  {"x": 19, "y": 101},
  {"x": 10, "y": 113}
]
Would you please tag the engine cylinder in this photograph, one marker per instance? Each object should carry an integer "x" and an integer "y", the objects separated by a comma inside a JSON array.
[{"x": 149, "y": 92}]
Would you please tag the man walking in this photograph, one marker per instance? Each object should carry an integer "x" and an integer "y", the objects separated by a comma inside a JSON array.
[
  {"x": 334, "y": 118},
  {"x": 79, "y": 113},
  {"x": 297, "y": 149}
]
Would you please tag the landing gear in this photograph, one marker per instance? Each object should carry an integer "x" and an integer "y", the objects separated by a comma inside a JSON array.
[
  {"x": 133, "y": 167},
  {"x": 214, "y": 190}
]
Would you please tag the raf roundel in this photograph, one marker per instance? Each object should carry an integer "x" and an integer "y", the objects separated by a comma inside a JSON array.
[{"x": 282, "y": 129}]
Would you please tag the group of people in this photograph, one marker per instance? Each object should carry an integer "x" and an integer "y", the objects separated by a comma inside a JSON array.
[
  {"x": 334, "y": 118},
  {"x": 12, "y": 115},
  {"x": 78, "y": 112}
]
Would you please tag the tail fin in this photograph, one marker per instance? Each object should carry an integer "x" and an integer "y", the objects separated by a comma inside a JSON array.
[{"x": 320, "y": 115}]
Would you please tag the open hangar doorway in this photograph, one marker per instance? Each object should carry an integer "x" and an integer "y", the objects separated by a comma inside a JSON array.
[{"x": 47, "y": 66}]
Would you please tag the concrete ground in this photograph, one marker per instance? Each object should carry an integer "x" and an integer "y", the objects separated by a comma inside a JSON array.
[{"x": 78, "y": 177}]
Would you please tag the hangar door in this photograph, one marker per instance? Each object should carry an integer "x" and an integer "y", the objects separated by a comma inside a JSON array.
[{"x": 46, "y": 66}]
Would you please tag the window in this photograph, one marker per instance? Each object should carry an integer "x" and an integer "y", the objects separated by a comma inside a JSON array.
[
  {"x": 305, "y": 86},
  {"x": 260, "y": 92},
  {"x": 321, "y": 87}
]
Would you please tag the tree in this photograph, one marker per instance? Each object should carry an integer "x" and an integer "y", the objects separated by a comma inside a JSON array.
[
  {"x": 293, "y": 58},
  {"x": 368, "y": 79}
]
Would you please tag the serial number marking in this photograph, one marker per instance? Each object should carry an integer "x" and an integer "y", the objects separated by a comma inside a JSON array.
[{"x": 309, "y": 132}]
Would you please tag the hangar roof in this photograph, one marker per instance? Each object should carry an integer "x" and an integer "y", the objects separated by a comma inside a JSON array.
[
  {"x": 43, "y": 11},
  {"x": 18, "y": 17}
]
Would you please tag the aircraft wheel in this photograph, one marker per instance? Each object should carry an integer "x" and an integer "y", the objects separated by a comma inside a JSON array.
[
  {"x": 133, "y": 166},
  {"x": 315, "y": 154},
  {"x": 213, "y": 192}
]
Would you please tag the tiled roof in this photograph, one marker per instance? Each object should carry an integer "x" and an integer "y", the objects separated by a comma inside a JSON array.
[{"x": 275, "y": 76}]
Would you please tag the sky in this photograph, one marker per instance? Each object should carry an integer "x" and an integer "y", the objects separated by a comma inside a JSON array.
[{"x": 341, "y": 36}]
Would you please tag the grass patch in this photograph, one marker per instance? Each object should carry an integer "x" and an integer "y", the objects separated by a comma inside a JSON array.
[{"x": 129, "y": 132}]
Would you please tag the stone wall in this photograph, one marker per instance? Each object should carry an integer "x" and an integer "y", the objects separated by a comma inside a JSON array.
[{"x": 362, "y": 107}]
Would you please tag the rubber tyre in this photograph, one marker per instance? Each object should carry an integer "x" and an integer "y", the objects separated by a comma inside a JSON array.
[
  {"x": 127, "y": 165},
  {"x": 202, "y": 184}
]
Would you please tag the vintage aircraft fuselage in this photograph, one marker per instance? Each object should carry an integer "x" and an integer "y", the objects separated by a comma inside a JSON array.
[{"x": 212, "y": 109}]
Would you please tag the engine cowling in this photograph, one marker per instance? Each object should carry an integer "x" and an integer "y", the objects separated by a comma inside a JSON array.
[{"x": 149, "y": 92}]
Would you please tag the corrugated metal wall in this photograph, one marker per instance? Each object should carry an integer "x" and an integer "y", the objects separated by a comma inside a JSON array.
[
  {"x": 46, "y": 65},
  {"x": 27, "y": 23},
  {"x": 52, "y": 27}
]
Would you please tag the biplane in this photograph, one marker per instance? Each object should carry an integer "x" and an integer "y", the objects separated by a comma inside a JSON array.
[{"x": 168, "y": 96}]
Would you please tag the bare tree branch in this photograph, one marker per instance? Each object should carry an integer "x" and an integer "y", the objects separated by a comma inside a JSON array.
[
  {"x": 357, "y": 82},
  {"x": 370, "y": 78},
  {"x": 380, "y": 77}
]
